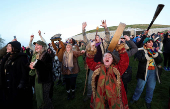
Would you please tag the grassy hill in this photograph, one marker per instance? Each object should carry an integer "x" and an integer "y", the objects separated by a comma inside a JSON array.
[{"x": 142, "y": 26}]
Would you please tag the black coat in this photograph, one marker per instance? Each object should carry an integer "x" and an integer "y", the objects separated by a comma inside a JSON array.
[
  {"x": 166, "y": 44},
  {"x": 44, "y": 69},
  {"x": 14, "y": 80},
  {"x": 142, "y": 65}
]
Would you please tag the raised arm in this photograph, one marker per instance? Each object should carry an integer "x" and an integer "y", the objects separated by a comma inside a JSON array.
[
  {"x": 31, "y": 46},
  {"x": 62, "y": 45},
  {"x": 134, "y": 48},
  {"x": 39, "y": 32},
  {"x": 54, "y": 46},
  {"x": 90, "y": 53},
  {"x": 124, "y": 59},
  {"x": 84, "y": 24},
  {"x": 107, "y": 33}
]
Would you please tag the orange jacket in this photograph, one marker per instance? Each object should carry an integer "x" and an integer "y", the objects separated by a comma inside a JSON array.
[{"x": 60, "y": 52}]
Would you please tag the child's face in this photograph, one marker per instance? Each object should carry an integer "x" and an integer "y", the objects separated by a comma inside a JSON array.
[{"x": 107, "y": 59}]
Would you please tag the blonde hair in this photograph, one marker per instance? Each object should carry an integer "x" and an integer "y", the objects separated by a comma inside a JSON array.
[{"x": 41, "y": 51}]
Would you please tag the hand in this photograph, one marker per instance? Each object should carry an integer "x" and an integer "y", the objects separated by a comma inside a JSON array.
[
  {"x": 21, "y": 86},
  {"x": 14, "y": 40},
  {"x": 127, "y": 37},
  {"x": 84, "y": 24},
  {"x": 39, "y": 32},
  {"x": 157, "y": 48},
  {"x": 119, "y": 41},
  {"x": 31, "y": 37},
  {"x": 31, "y": 65},
  {"x": 146, "y": 32},
  {"x": 27, "y": 47},
  {"x": 83, "y": 51},
  {"x": 104, "y": 24}
]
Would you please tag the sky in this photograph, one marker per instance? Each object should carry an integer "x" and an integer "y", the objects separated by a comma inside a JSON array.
[{"x": 22, "y": 18}]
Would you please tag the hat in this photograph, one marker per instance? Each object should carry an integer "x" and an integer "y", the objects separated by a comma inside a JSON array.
[
  {"x": 56, "y": 37},
  {"x": 40, "y": 43},
  {"x": 147, "y": 39},
  {"x": 16, "y": 45},
  {"x": 122, "y": 37}
]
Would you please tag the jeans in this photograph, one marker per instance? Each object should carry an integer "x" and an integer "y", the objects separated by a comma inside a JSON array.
[
  {"x": 89, "y": 87},
  {"x": 150, "y": 86}
]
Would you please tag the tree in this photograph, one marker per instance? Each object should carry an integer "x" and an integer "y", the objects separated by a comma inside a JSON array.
[{"x": 2, "y": 42}]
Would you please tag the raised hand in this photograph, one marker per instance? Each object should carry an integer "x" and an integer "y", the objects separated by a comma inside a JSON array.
[
  {"x": 39, "y": 32},
  {"x": 14, "y": 40},
  {"x": 146, "y": 32},
  {"x": 127, "y": 37},
  {"x": 84, "y": 24},
  {"x": 104, "y": 24},
  {"x": 31, "y": 37}
]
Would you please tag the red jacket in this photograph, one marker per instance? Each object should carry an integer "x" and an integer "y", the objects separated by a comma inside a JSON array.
[{"x": 121, "y": 67}]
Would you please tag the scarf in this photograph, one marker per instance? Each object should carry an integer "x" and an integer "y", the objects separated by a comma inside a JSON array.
[
  {"x": 108, "y": 93},
  {"x": 68, "y": 60},
  {"x": 150, "y": 51},
  {"x": 98, "y": 44}
]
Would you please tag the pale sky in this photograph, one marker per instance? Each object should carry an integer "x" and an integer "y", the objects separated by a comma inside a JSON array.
[{"x": 22, "y": 18}]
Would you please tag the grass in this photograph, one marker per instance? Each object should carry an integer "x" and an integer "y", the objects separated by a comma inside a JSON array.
[
  {"x": 159, "y": 101},
  {"x": 142, "y": 26}
]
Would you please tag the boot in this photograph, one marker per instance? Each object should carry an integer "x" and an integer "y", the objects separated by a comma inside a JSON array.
[
  {"x": 68, "y": 95},
  {"x": 73, "y": 95}
]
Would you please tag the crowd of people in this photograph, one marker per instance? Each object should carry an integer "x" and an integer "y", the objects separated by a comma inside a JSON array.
[{"x": 25, "y": 71}]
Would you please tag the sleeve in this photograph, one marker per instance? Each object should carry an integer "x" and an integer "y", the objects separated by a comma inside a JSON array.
[
  {"x": 141, "y": 41},
  {"x": 54, "y": 46},
  {"x": 91, "y": 63},
  {"x": 165, "y": 37},
  {"x": 25, "y": 70},
  {"x": 85, "y": 37},
  {"x": 62, "y": 45},
  {"x": 44, "y": 67},
  {"x": 123, "y": 62},
  {"x": 107, "y": 37},
  {"x": 31, "y": 46},
  {"x": 43, "y": 40},
  {"x": 133, "y": 50},
  {"x": 141, "y": 56},
  {"x": 77, "y": 53},
  {"x": 157, "y": 57}
]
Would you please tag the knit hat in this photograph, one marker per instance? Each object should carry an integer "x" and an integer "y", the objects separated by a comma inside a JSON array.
[
  {"x": 147, "y": 39},
  {"x": 40, "y": 43},
  {"x": 16, "y": 45}
]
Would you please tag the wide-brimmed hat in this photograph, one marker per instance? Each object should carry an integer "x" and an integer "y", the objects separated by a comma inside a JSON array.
[{"x": 40, "y": 43}]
